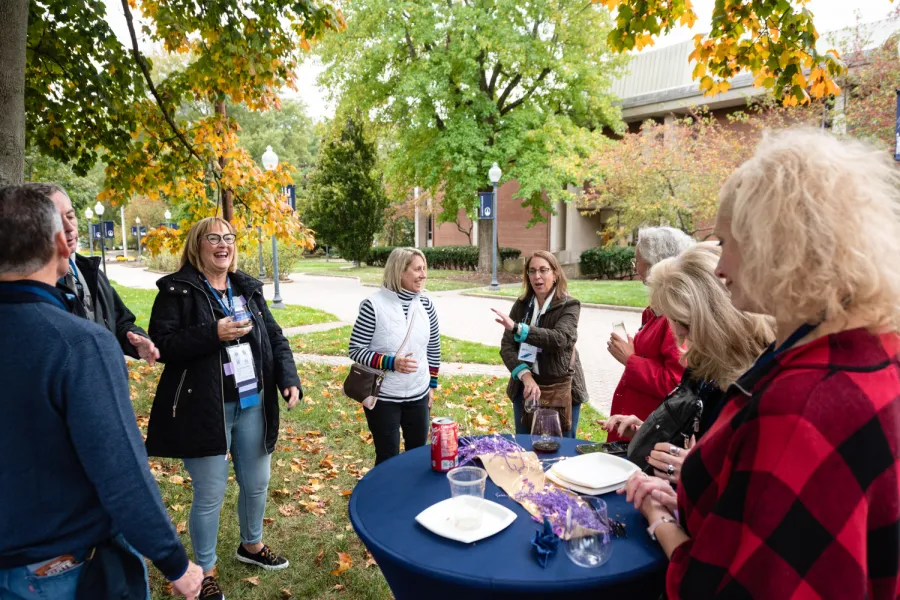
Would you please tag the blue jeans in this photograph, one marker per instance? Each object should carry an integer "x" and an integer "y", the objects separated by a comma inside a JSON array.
[
  {"x": 22, "y": 584},
  {"x": 244, "y": 435},
  {"x": 518, "y": 410}
]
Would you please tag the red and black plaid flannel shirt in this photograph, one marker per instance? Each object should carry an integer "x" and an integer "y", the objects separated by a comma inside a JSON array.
[{"x": 795, "y": 491}]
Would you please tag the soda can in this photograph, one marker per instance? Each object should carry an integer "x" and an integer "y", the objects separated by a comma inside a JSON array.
[{"x": 444, "y": 444}]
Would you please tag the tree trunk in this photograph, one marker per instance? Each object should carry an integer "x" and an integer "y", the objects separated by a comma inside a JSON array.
[
  {"x": 14, "y": 15},
  {"x": 227, "y": 195},
  {"x": 485, "y": 245}
]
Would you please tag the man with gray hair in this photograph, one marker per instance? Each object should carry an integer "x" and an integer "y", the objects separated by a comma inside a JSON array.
[
  {"x": 74, "y": 478},
  {"x": 96, "y": 299},
  {"x": 652, "y": 358}
]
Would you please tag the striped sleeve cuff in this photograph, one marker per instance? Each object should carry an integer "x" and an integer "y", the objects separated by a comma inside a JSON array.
[
  {"x": 382, "y": 361},
  {"x": 518, "y": 371},
  {"x": 433, "y": 371},
  {"x": 523, "y": 333}
]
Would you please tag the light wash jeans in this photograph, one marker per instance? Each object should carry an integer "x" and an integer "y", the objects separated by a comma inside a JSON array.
[
  {"x": 22, "y": 584},
  {"x": 518, "y": 409},
  {"x": 244, "y": 434}
]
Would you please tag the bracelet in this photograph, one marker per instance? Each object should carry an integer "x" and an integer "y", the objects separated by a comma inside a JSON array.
[{"x": 652, "y": 529}]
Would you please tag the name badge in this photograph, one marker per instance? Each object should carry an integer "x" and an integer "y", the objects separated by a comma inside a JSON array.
[
  {"x": 528, "y": 353},
  {"x": 244, "y": 371}
]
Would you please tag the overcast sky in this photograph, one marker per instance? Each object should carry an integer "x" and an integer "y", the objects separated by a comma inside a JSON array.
[{"x": 830, "y": 15}]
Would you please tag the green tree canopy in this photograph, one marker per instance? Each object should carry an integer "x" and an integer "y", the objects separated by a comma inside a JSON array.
[{"x": 457, "y": 86}]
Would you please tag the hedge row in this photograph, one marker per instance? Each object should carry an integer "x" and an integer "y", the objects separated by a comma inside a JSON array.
[
  {"x": 608, "y": 263},
  {"x": 459, "y": 258}
]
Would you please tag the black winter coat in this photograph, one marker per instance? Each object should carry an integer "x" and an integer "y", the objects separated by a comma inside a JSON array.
[
  {"x": 110, "y": 311},
  {"x": 187, "y": 419}
]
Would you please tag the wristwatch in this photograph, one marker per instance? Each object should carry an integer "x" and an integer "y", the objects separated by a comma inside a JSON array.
[{"x": 652, "y": 529}]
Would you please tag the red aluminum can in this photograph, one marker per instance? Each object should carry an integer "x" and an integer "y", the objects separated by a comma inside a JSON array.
[{"x": 444, "y": 448}]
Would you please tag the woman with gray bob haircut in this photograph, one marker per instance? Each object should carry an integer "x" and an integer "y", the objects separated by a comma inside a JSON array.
[
  {"x": 397, "y": 331},
  {"x": 652, "y": 358}
]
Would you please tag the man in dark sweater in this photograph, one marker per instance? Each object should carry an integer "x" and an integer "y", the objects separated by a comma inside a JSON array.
[
  {"x": 73, "y": 470},
  {"x": 95, "y": 298}
]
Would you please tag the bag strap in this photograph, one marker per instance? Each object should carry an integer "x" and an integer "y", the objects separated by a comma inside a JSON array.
[{"x": 412, "y": 320}]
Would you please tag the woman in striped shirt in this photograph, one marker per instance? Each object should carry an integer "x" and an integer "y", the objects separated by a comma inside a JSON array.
[{"x": 397, "y": 331}]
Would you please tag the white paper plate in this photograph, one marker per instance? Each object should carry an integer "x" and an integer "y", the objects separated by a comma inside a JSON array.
[
  {"x": 596, "y": 470},
  {"x": 581, "y": 490},
  {"x": 438, "y": 518}
]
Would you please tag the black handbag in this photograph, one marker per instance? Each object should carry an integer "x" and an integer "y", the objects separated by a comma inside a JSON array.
[
  {"x": 112, "y": 572},
  {"x": 673, "y": 422}
]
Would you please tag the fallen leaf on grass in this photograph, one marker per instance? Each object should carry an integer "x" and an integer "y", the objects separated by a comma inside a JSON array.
[
  {"x": 286, "y": 593},
  {"x": 345, "y": 561},
  {"x": 338, "y": 588},
  {"x": 176, "y": 479},
  {"x": 347, "y": 493},
  {"x": 287, "y": 510},
  {"x": 268, "y": 520},
  {"x": 181, "y": 528},
  {"x": 320, "y": 557},
  {"x": 251, "y": 580}
]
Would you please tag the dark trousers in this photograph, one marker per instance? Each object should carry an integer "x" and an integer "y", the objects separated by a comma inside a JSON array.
[{"x": 388, "y": 418}]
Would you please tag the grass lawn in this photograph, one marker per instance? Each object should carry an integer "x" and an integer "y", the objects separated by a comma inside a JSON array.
[
  {"x": 439, "y": 280},
  {"x": 324, "y": 448},
  {"x": 140, "y": 302},
  {"x": 615, "y": 293},
  {"x": 334, "y": 343}
]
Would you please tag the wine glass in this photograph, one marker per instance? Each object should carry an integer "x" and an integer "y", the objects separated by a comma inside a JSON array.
[
  {"x": 588, "y": 543},
  {"x": 546, "y": 431}
]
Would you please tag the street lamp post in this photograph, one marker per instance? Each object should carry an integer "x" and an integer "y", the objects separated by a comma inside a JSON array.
[
  {"x": 270, "y": 162},
  {"x": 168, "y": 216},
  {"x": 89, "y": 215},
  {"x": 99, "y": 208},
  {"x": 494, "y": 175},
  {"x": 137, "y": 221}
]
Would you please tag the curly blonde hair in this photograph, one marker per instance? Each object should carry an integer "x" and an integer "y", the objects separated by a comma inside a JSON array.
[
  {"x": 817, "y": 222},
  {"x": 724, "y": 341}
]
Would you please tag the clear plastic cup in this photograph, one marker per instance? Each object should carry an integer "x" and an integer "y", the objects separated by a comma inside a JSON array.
[
  {"x": 467, "y": 490},
  {"x": 619, "y": 329},
  {"x": 588, "y": 542}
]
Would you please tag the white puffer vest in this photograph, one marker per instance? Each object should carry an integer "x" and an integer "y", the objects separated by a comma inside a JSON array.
[{"x": 390, "y": 329}]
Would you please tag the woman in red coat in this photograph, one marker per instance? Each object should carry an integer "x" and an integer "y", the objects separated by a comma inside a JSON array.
[
  {"x": 794, "y": 492},
  {"x": 652, "y": 357}
]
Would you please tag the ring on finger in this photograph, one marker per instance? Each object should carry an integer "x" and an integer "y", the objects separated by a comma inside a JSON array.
[
  {"x": 670, "y": 469},
  {"x": 674, "y": 450}
]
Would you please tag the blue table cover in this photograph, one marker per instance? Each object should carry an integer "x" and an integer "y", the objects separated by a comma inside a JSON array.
[{"x": 419, "y": 564}]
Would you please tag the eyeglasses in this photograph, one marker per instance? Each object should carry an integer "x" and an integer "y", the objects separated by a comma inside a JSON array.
[
  {"x": 215, "y": 238},
  {"x": 543, "y": 271}
]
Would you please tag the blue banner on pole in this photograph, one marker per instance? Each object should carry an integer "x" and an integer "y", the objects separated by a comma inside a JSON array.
[
  {"x": 95, "y": 231},
  {"x": 897, "y": 130},
  {"x": 134, "y": 231},
  {"x": 486, "y": 205},
  {"x": 292, "y": 197},
  {"x": 109, "y": 229}
]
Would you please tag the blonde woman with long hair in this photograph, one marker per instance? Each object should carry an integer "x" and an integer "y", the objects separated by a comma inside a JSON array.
[
  {"x": 795, "y": 489},
  {"x": 397, "y": 312},
  {"x": 722, "y": 342}
]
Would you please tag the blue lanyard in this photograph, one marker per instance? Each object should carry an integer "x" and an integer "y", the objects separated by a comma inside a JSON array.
[
  {"x": 30, "y": 289},
  {"x": 764, "y": 359},
  {"x": 74, "y": 270},
  {"x": 228, "y": 308}
]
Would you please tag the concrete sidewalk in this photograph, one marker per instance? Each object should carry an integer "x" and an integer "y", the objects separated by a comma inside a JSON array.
[{"x": 461, "y": 316}]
